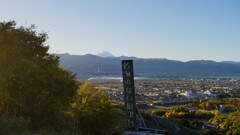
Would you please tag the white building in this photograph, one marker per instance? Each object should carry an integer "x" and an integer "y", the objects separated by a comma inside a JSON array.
[{"x": 189, "y": 94}]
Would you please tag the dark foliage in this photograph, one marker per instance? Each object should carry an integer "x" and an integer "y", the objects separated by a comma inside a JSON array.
[{"x": 32, "y": 84}]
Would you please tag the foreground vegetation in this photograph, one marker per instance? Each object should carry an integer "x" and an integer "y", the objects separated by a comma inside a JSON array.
[{"x": 37, "y": 95}]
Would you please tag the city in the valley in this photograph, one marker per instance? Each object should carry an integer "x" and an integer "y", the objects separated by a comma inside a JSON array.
[{"x": 170, "y": 92}]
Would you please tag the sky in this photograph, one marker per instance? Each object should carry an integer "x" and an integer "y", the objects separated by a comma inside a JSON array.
[{"x": 173, "y": 29}]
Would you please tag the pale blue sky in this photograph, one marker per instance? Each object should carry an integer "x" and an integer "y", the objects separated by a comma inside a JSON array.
[{"x": 174, "y": 29}]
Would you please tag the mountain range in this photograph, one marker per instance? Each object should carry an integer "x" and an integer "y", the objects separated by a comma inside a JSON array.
[{"x": 106, "y": 64}]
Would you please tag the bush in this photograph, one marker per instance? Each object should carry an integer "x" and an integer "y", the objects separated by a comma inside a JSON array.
[
  {"x": 14, "y": 125},
  {"x": 93, "y": 111},
  {"x": 159, "y": 113},
  {"x": 211, "y": 132}
]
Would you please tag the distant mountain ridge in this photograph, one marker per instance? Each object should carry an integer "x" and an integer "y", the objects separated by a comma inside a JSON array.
[
  {"x": 231, "y": 62},
  {"x": 92, "y": 65}
]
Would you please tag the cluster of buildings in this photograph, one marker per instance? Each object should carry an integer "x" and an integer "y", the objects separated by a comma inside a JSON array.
[
  {"x": 206, "y": 94},
  {"x": 164, "y": 91}
]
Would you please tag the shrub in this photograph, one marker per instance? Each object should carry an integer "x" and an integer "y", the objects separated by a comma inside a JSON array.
[
  {"x": 159, "y": 113},
  {"x": 211, "y": 132},
  {"x": 13, "y": 125}
]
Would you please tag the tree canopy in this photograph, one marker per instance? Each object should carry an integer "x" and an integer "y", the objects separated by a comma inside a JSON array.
[
  {"x": 94, "y": 112},
  {"x": 32, "y": 84}
]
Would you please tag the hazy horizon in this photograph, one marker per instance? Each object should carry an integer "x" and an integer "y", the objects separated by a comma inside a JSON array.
[
  {"x": 176, "y": 29},
  {"x": 147, "y": 58}
]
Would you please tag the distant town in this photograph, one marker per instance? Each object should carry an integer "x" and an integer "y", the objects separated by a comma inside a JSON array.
[{"x": 167, "y": 92}]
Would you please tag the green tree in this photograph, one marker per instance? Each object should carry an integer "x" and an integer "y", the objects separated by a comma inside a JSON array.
[
  {"x": 93, "y": 111},
  {"x": 229, "y": 124},
  {"x": 32, "y": 84}
]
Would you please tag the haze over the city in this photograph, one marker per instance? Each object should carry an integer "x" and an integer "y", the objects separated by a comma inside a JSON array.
[{"x": 174, "y": 29}]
